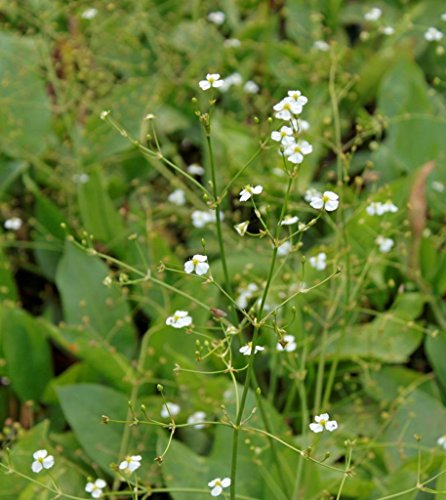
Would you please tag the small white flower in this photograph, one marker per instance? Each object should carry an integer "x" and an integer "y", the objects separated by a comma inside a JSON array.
[
  {"x": 387, "y": 30},
  {"x": 233, "y": 79},
  {"x": 288, "y": 108},
  {"x": 218, "y": 484},
  {"x": 311, "y": 193},
  {"x": 438, "y": 186},
  {"x": 218, "y": 17},
  {"x": 323, "y": 422},
  {"x": 248, "y": 191},
  {"x": 246, "y": 350},
  {"x": 245, "y": 295},
  {"x": 212, "y": 80},
  {"x": 373, "y": 14},
  {"x": 195, "y": 169},
  {"x": 232, "y": 43},
  {"x": 13, "y": 224},
  {"x": 232, "y": 330},
  {"x": 328, "y": 201},
  {"x": 196, "y": 419},
  {"x": 198, "y": 263},
  {"x": 385, "y": 244},
  {"x": 96, "y": 488},
  {"x": 280, "y": 135},
  {"x": 81, "y": 178},
  {"x": 296, "y": 152},
  {"x": 89, "y": 13},
  {"x": 441, "y": 441},
  {"x": 42, "y": 461},
  {"x": 321, "y": 45},
  {"x": 290, "y": 345},
  {"x": 284, "y": 249},
  {"x": 378, "y": 208},
  {"x": 251, "y": 87},
  {"x": 289, "y": 220},
  {"x": 443, "y": 17},
  {"x": 177, "y": 197},
  {"x": 130, "y": 463},
  {"x": 242, "y": 227},
  {"x": 300, "y": 125},
  {"x": 179, "y": 320},
  {"x": 433, "y": 35},
  {"x": 170, "y": 409},
  {"x": 388, "y": 206},
  {"x": 296, "y": 96},
  {"x": 201, "y": 218},
  {"x": 319, "y": 261}
]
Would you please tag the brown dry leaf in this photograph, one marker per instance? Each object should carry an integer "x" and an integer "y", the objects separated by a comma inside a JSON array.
[{"x": 418, "y": 213}]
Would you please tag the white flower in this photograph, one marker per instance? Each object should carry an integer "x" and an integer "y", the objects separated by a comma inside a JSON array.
[
  {"x": 280, "y": 135},
  {"x": 248, "y": 191},
  {"x": 387, "y": 30},
  {"x": 289, "y": 220},
  {"x": 438, "y": 186},
  {"x": 41, "y": 461},
  {"x": 441, "y": 441},
  {"x": 14, "y": 223},
  {"x": 130, "y": 463},
  {"x": 218, "y": 17},
  {"x": 89, "y": 13},
  {"x": 378, "y": 208},
  {"x": 179, "y": 320},
  {"x": 385, "y": 244},
  {"x": 246, "y": 294},
  {"x": 290, "y": 345},
  {"x": 201, "y": 218},
  {"x": 242, "y": 227},
  {"x": 323, "y": 422},
  {"x": 196, "y": 419},
  {"x": 229, "y": 81},
  {"x": 319, "y": 261},
  {"x": 170, "y": 409},
  {"x": 177, "y": 197},
  {"x": 311, "y": 193},
  {"x": 328, "y": 201},
  {"x": 373, "y": 14},
  {"x": 296, "y": 96},
  {"x": 284, "y": 249},
  {"x": 195, "y": 169},
  {"x": 198, "y": 263},
  {"x": 287, "y": 108},
  {"x": 230, "y": 43},
  {"x": 296, "y": 152},
  {"x": 246, "y": 350},
  {"x": 81, "y": 178},
  {"x": 96, "y": 488},
  {"x": 433, "y": 35},
  {"x": 321, "y": 45},
  {"x": 443, "y": 17},
  {"x": 218, "y": 484},
  {"x": 251, "y": 87},
  {"x": 212, "y": 80},
  {"x": 300, "y": 125}
]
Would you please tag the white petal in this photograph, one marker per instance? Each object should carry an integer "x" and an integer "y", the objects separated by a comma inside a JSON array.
[
  {"x": 212, "y": 483},
  {"x": 331, "y": 205},
  {"x": 48, "y": 462},
  {"x": 89, "y": 487},
  {"x": 96, "y": 493},
  {"x": 40, "y": 454},
  {"x": 202, "y": 268},
  {"x": 217, "y": 491},
  {"x": 331, "y": 425},
  {"x": 189, "y": 267},
  {"x": 100, "y": 483},
  {"x": 316, "y": 203},
  {"x": 316, "y": 427},
  {"x": 123, "y": 465},
  {"x": 226, "y": 482},
  {"x": 36, "y": 467},
  {"x": 204, "y": 85},
  {"x": 276, "y": 136},
  {"x": 331, "y": 195},
  {"x": 322, "y": 416},
  {"x": 257, "y": 189}
]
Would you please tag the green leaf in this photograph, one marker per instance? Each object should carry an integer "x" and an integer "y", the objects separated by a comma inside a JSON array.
[
  {"x": 26, "y": 112},
  {"x": 436, "y": 352},
  {"x": 83, "y": 406},
  {"x": 27, "y": 354},
  {"x": 98, "y": 214},
  {"x": 86, "y": 301}
]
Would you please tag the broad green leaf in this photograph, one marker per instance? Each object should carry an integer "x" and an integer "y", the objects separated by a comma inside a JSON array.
[
  {"x": 99, "y": 216},
  {"x": 84, "y": 405},
  {"x": 25, "y": 104},
  {"x": 27, "y": 354},
  {"x": 88, "y": 302}
]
